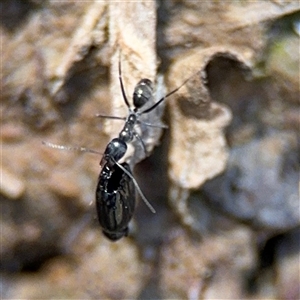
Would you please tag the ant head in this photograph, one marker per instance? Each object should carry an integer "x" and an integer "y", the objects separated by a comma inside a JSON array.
[{"x": 142, "y": 93}]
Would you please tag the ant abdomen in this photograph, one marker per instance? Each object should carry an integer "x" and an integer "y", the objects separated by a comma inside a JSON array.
[{"x": 117, "y": 193}]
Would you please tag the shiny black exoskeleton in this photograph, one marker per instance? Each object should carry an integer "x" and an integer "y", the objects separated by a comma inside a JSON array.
[{"x": 115, "y": 193}]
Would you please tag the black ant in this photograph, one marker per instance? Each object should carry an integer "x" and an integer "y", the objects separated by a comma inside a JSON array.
[{"x": 115, "y": 192}]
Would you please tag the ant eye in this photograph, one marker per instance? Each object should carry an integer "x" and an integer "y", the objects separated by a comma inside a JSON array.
[{"x": 143, "y": 91}]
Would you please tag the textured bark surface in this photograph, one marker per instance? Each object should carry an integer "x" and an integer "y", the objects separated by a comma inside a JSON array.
[{"x": 224, "y": 183}]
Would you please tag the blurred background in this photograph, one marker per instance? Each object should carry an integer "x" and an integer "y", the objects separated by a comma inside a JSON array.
[{"x": 235, "y": 235}]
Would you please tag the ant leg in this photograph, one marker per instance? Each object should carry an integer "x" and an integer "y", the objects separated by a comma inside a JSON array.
[
  {"x": 121, "y": 82},
  {"x": 137, "y": 186},
  {"x": 124, "y": 119},
  {"x": 136, "y": 135},
  {"x": 110, "y": 117},
  {"x": 153, "y": 125}
]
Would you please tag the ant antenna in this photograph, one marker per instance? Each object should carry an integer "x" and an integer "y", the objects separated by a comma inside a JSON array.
[
  {"x": 138, "y": 121},
  {"x": 60, "y": 147},
  {"x": 164, "y": 97}
]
